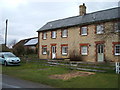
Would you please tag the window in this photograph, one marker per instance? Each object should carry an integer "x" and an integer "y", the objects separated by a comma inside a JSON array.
[
  {"x": 100, "y": 29},
  {"x": 83, "y": 30},
  {"x": 117, "y": 27},
  {"x": 53, "y": 34},
  {"x": 44, "y": 50},
  {"x": 117, "y": 49},
  {"x": 84, "y": 50},
  {"x": 64, "y": 50},
  {"x": 44, "y": 35},
  {"x": 64, "y": 33}
]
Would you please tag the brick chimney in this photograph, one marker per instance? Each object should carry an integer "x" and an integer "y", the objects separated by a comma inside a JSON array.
[{"x": 82, "y": 9}]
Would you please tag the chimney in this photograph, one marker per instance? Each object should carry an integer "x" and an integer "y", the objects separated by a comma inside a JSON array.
[{"x": 82, "y": 9}]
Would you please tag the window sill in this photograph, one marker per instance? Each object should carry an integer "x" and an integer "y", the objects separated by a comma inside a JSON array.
[
  {"x": 84, "y": 54},
  {"x": 83, "y": 34},
  {"x": 64, "y": 54},
  {"x": 117, "y": 54},
  {"x": 64, "y": 36}
]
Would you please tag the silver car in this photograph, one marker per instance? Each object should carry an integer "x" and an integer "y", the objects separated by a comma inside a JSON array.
[{"x": 8, "y": 58}]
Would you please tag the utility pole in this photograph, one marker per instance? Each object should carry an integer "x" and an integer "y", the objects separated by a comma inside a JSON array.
[{"x": 6, "y": 32}]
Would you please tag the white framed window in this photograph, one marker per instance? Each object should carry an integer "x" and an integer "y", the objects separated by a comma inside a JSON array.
[
  {"x": 100, "y": 29},
  {"x": 84, "y": 50},
  {"x": 64, "y": 50},
  {"x": 117, "y": 27},
  {"x": 83, "y": 30},
  {"x": 117, "y": 49},
  {"x": 54, "y": 34},
  {"x": 44, "y": 35},
  {"x": 44, "y": 50},
  {"x": 64, "y": 33}
]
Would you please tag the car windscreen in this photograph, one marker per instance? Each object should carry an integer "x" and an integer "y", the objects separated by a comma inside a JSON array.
[{"x": 9, "y": 55}]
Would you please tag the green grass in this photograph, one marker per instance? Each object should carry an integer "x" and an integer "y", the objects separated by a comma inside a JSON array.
[{"x": 33, "y": 72}]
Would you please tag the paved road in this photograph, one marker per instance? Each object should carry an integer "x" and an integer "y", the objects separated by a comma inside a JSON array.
[{"x": 12, "y": 82}]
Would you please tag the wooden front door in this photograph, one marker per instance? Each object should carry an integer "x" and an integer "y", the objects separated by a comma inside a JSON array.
[
  {"x": 53, "y": 52},
  {"x": 100, "y": 52}
]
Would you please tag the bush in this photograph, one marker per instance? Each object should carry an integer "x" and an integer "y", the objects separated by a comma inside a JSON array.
[{"x": 74, "y": 56}]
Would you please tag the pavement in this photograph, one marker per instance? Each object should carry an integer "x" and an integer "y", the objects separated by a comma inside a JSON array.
[{"x": 13, "y": 82}]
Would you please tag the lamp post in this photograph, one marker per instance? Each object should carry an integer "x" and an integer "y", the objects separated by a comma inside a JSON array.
[{"x": 6, "y": 32}]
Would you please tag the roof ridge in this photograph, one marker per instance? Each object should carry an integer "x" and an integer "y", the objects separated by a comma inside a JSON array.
[{"x": 85, "y": 14}]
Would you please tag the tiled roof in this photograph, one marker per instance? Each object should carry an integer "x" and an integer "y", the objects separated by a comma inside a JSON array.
[{"x": 104, "y": 15}]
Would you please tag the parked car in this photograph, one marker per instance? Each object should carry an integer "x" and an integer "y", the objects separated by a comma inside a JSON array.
[{"x": 8, "y": 58}]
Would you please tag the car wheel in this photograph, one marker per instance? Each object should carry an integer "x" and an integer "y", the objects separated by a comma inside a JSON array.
[{"x": 5, "y": 63}]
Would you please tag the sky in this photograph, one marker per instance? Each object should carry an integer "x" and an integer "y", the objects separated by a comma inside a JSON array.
[{"x": 25, "y": 17}]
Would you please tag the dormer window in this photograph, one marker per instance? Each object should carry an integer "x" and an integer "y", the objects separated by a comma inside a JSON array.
[
  {"x": 44, "y": 36},
  {"x": 100, "y": 29},
  {"x": 64, "y": 33},
  {"x": 84, "y": 31},
  {"x": 53, "y": 34}
]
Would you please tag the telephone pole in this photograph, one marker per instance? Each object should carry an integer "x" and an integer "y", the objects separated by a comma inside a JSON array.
[{"x": 6, "y": 32}]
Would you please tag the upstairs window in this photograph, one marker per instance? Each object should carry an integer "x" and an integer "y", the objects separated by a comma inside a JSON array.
[
  {"x": 83, "y": 31},
  {"x": 64, "y": 33},
  {"x": 44, "y": 36},
  {"x": 100, "y": 29},
  {"x": 117, "y": 27},
  {"x": 54, "y": 34}
]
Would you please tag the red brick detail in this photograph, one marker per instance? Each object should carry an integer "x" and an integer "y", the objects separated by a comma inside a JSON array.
[
  {"x": 44, "y": 45},
  {"x": 54, "y": 44},
  {"x": 64, "y": 45},
  {"x": 115, "y": 42},
  {"x": 84, "y": 44},
  {"x": 99, "y": 42}
]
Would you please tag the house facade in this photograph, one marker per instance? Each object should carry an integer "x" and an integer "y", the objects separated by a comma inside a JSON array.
[{"x": 94, "y": 37}]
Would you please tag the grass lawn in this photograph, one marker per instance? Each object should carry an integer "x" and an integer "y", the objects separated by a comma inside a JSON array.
[{"x": 39, "y": 73}]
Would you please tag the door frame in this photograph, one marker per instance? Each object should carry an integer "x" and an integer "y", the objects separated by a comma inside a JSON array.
[
  {"x": 96, "y": 52},
  {"x": 55, "y": 50}
]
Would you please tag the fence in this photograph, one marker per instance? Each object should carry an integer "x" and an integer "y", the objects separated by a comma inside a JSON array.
[{"x": 78, "y": 65}]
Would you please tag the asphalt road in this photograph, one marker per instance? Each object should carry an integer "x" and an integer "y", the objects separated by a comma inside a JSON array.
[{"x": 13, "y": 82}]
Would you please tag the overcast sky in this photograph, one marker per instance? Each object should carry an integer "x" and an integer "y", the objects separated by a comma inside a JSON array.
[{"x": 25, "y": 17}]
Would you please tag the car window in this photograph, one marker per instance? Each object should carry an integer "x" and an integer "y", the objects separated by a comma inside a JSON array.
[{"x": 9, "y": 55}]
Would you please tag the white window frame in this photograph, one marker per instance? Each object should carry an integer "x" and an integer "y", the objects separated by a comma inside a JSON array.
[
  {"x": 44, "y": 35},
  {"x": 84, "y": 30},
  {"x": 115, "y": 49},
  {"x": 84, "y": 50},
  {"x": 54, "y": 34},
  {"x": 64, "y": 33},
  {"x": 64, "y": 50},
  {"x": 117, "y": 27},
  {"x": 100, "y": 29},
  {"x": 44, "y": 50}
]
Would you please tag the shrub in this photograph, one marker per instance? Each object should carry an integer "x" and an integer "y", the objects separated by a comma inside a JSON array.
[{"x": 75, "y": 56}]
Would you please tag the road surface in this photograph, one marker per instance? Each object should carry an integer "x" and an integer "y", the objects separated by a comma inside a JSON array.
[{"x": 12, "y": 82}]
